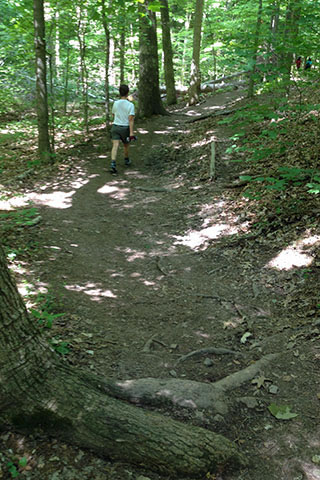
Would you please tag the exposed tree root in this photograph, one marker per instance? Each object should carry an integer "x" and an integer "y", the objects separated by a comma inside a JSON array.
[{"x": 184, "y": 393}]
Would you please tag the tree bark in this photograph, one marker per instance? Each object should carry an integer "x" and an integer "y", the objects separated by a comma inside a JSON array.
[
  {"x": 81, "y": 33},
  {"x": 255, "y": 51},
  {"x": 168, "y": 56},
  {"x": 291, "y": 31},
  {"x": 149, "y": 92},
  {"x": 106, "y": 27},
  {"x": 122, "y": 53},
  {"x": 66, "y": 81},
  {"x": 39, "y": 391},
  {"x": 41, "y": 81},
  {"x": 195, "y": 82}
]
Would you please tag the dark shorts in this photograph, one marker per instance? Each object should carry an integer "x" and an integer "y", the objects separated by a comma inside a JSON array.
[{"x": 119, "y": 132}]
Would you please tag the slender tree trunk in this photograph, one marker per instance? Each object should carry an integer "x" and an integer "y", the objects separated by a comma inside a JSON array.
[
  {"x": 168, "y": 56},
  {"x": 291, "y": 31},
  {"x": 106, "y": 27},
  {"x": 184, "y": 53},
  {"x": 52, "y": 75},
  {"x": 52, "y": 103},
  {"x": 195, "y": 82},
  {"x": 149, "y": 91},
  {"x": 41, "y": 82},
  {"x": 255, "y": 52},
  {"x": 272, "y": 47},
  {"x": 66, "y": 81},
  {"x": 37, "y": 391},
  {"x": 81, "y": 32},
  {"x": 122, "y": 54}
]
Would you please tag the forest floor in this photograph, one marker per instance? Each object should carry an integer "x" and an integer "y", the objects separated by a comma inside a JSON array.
[{"x": 160, "y": 261}]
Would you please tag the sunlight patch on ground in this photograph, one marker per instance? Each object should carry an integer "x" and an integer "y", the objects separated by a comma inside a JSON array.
[
  {"x": 161, "y": 132},
  {"x": 134, "y": 255},
  {"x": 27, "y": 289},
  {"x": 13, "y": 203},
  {"x": 59, "y": 200},
  {"x": 193, "y": 113},
  {"x": 196, "y": 239},
  {"x": 312, "y": 472},
  {"x": 204, "y": 141},
  {"x": 142, "y": 131},
  {"x": 295, "y": 255},
  {"x": 214, "y": 107},
  {"x": 92, "y": 290},
  {"x": 201, "y": 334},
  {"x": 116, "y": 192}
]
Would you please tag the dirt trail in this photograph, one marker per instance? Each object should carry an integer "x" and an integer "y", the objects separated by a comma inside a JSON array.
[
  {"x": 140, "y": 256},
  {"x": 123, "y": 254}
]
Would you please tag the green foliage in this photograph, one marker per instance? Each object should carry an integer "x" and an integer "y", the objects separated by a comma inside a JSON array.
[
  {"x": 60, "y": 346},
  {"x": 45, "y": 319},
  {"x": 286, "y": 178},
  {"x": 18, "y": 218},
  {"x": 13, "y": 467},
  {"x": 281, "y": 412}
]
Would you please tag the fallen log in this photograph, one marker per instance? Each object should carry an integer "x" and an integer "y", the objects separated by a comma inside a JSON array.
[{"x": 214, "y": 114}]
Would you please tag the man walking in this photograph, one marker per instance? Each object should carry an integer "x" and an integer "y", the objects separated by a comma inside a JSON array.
[{"x": 122, "y": 128}]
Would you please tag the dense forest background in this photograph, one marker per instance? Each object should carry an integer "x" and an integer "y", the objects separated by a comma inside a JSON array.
[{"x": 93, "y": 45}]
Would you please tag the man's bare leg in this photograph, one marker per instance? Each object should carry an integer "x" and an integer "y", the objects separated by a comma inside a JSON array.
[
  {"x": 114, "y": 151},
  {"x": 126, "y": 154}
]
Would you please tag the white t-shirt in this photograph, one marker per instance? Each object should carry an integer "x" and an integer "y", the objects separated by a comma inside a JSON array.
[{"x": 121, "y": 110}]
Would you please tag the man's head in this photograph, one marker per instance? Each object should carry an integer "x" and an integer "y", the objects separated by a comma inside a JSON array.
[{"x": 123, "y": 90}]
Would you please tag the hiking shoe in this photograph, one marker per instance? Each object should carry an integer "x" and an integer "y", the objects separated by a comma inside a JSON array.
[
  {"x": 113, "y": 168},
  {"x": 127, "y": 162}
]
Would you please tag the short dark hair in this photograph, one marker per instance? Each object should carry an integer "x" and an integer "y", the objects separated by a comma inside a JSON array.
[{"x": 123, "y": 90}]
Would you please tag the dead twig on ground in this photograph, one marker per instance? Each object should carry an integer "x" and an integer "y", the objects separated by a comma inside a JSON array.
[{"x": 206, "y": 351}]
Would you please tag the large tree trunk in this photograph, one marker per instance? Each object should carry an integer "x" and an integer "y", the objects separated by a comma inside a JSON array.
[
  {"x": 167, "y": 51},
  {"x": 37, "y": 390},
  {"x": 41, "y": 81},
  {"x": 149, "y": 91},
  {"x": 195, "y": 82}
]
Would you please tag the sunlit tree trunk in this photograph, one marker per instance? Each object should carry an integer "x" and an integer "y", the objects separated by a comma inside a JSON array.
[
  {"x": 41, "y": 82},
  {"x": 195, "y": 81},
  {"x": 255, "y": 51},
  {"x": 168, "y": 56},
  {"x": 149, "y": 91}
]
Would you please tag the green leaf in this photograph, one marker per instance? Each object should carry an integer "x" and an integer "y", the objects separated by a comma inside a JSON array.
[
  {"x": 281, "y": 412},
  {"x": 13, "y": 470},
  {"x": 23, "y": 462},
  {"x": 314, "y": 188}
]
